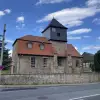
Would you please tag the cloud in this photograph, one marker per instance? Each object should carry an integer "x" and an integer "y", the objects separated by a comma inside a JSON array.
[
  {"x": 41, "y": 29},
  {"x": 2, "y": 13},
  {"x": 80, "y": 31},
  {"x": 17, "y": 27},
  {"x": 20, "y": 19},
  {"x": 74, "y": 23},
  {"x": 86, "y": 36},
  {"x": 20, "y": 22},
  {"x": 51, "y": 1},
  {"x": 71, "y": 16},
  {"x": 81, "y": 53},
  {"x": 9, "y": 41},
  {"x": 96, "y": 21},
  {"x": 10, "y": 53},
  {"x": 91, "y": 47},
  {"x": 8, "y": 11},
  {"x": 20, "y": 26},
  {"x": 38, "y": 29},
  {"x": 74, "y": 38},
  {"x": 23, "y": 25},
  {"x": 99, "y": 38},
  {"x": 93, "y": 3},
  {"x": 76, "y": 48}
]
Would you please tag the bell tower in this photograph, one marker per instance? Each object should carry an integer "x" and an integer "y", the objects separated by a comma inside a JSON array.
[{"x": 55, "y": 31}]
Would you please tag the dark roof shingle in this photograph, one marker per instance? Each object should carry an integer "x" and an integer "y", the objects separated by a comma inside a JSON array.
[{"x": 54, "y": 23}]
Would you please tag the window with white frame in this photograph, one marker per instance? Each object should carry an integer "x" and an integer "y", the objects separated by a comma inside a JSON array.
[
  {"x": 32, "y": 61},
  {"x": 29, "y": 45},
  {"x": 45, "y": 60},
  {"x": 42, "y": 46}
]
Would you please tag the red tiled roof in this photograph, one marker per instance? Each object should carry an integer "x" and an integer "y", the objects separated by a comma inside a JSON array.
[
  {"x": 48, "y": 51},
  {"x": 71, "y": 50},
  {"x": 22, "y": 48},
  {"x": 35, "y": 38}
]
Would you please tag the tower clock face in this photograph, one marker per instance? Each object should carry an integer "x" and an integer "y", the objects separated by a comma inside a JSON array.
[{"x": 53, "y": 29}]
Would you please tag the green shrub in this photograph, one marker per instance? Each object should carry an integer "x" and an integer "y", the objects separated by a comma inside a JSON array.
[{"x": 97, "y": 62}]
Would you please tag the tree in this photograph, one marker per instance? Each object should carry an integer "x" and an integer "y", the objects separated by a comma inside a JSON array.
[
  {"x": 92, "y": 67},
  {"x": 96, "y": 66},
  {"x": 6, "y": 58}
]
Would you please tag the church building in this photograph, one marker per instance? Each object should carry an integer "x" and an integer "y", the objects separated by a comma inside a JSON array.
[{"x": 48, "y": 54}]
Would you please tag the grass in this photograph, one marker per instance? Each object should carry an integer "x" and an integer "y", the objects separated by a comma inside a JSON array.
[{"x": 5, "y": 72}]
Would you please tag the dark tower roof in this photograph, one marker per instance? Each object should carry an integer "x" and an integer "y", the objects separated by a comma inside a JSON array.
[{"x": 54, "y": 23}]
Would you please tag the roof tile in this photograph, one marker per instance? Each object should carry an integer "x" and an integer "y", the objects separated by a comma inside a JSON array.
[
  {"x": 35, "y": 38},
  {"x": 72, "y": 50},
  {"x": 49, "y": 49},
  {"x": 54, "y": 23}
]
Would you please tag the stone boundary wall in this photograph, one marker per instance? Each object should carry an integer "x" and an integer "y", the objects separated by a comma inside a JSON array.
[{"x": 49, "y": 79}]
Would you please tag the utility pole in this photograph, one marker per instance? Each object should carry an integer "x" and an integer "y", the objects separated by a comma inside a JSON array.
[{"x": 2, "y": 49}]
